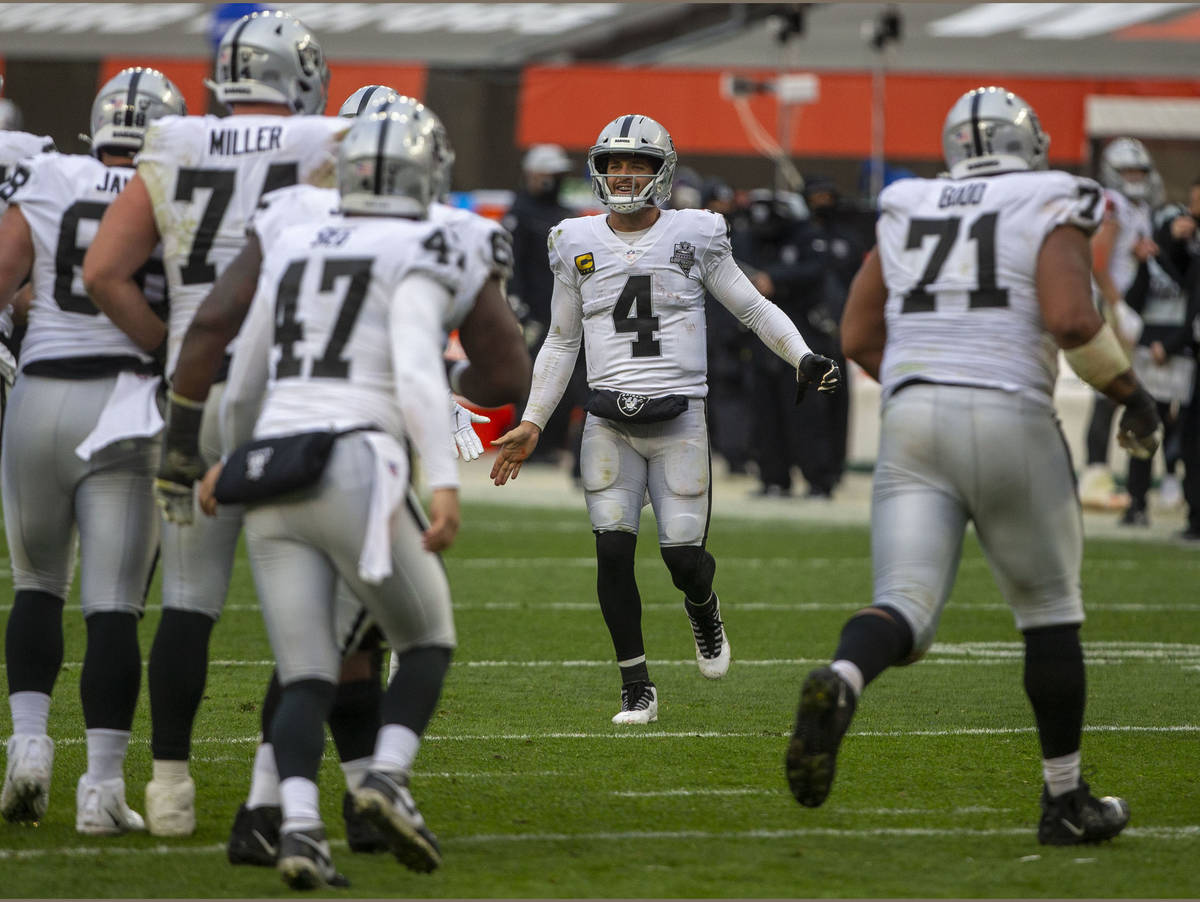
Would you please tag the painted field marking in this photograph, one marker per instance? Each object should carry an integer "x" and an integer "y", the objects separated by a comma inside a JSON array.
[
  {"x": 1188, "y": 832},
  {"x": 713, "y": 734}
]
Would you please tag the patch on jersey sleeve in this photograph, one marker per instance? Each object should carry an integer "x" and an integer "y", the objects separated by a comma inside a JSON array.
[
  {"x": 684, "y": 256},
  {"x": 586, "y": 264}
]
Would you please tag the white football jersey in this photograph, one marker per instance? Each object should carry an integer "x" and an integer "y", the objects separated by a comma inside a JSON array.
[
  {"x": 643, "y": 303},
  {"x": 1133, "y": 223},
  {"x": 488, "y": 248},
  {"x": 17, "y": 146},
  {"x": 959, "y": 259},
  {"x": 331, "y": 285},
  {"x": 63, "y": 198},
  {"x": 205, "y": 176},
  {"x": 486, "y": 245}
]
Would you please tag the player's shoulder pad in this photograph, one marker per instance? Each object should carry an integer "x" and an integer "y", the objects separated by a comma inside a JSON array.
[
  {"x": 704, "y": 221},
  {"x": 1066, "y": 198},
  {"x": 301, "y": 131},
  {"x": 171, "y": 137},
  {"x": 897, "y": 193}
]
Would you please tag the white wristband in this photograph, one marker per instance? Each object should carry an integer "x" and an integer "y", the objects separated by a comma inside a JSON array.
[{"x": 1100, "y": 359}]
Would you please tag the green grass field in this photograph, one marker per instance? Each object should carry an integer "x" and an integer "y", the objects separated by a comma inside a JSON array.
[{"x": 534, "y": 793}]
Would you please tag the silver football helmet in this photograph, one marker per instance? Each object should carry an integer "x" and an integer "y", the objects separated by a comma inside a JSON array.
[
  {"x": 1120, "y": 156},
  {"x": 128, "y": 102},
  {"x": 360, "y": 101},
  {"x": 271, "y": 57},
  {"x": 632, "y": 134},
  {"x": 387, "y": 163},
  {"x": 990, "y": 130},
  {"x": 443, "y": 151}
]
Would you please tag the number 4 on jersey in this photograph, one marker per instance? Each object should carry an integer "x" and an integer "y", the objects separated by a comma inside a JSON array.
[{"x": 634, "y": 312}]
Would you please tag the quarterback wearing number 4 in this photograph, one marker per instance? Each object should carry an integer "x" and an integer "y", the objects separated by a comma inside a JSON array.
[{"x": 631, "y": 285}]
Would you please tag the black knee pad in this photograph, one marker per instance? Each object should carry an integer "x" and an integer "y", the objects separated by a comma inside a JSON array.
[
  {"x": 692, "y": 570},
  {"x": 355, "y": 718},
  {"x": 615, "y": 550},
  {"x": 298, "y": 728},
  {"x": 34, "y": 642},
  {"x": 112, "y": 671},
  {"x": 1056, "y": 684}
]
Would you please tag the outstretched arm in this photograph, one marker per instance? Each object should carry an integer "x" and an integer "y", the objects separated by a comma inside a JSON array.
[{"x": 498, "y": 366}]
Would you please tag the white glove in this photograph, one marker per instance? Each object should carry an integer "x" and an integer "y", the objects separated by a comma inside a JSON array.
[{"x": 466, "y": 442}]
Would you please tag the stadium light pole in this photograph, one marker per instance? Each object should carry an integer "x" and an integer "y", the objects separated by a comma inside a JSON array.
[{"x": 881, "y": 34}]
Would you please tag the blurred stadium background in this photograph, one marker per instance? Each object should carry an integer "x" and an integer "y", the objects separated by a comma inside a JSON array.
[{"x": 753, "y": 94}]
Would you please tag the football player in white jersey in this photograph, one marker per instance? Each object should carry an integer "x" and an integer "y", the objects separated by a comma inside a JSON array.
[
  {"x": 631, "y": 285},
  {"x": 497, "y": 372},
  {"x": 345, "y": 335},
  {"x": 976, "y": 282},
  {"x": 1121, "y": 244},
  {"x": 199, "y": 179},
  {"x": 78, "y": 458},
  {"x": 15, "y": 145}
]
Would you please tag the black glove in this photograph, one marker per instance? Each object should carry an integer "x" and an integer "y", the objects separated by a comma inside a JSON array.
[
  {"x": 181, "y": 464},
  {"x": 821, "y": 370},
  {"x": 1140, "y": 430}
]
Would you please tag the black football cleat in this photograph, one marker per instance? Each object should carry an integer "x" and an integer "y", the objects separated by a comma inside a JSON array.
[
  {"x": 826, "y": 706},
  {"x": 254, "y": 838},
  {"x": 304, "y": 860},
  {"x": 361, "y": 833},
  {"x": 385, "y": 800},
  {"x": 1078, "y": 817}
]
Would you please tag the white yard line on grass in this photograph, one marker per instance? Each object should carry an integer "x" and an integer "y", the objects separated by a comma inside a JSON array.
[
  {"x": 1188, "y": 832},
  {"x": 711, "y": 734}
]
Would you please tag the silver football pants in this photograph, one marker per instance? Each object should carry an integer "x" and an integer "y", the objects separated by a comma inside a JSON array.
[
  {"x": 300, "y": 548},
  {"x": 52, "y": 498},
  {"x": 623, "y": 462},
  {"x": 951, "y": 454},
  {"x": 198, "y": 558}
]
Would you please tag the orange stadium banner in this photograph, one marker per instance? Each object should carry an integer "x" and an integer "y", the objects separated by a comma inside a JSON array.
[
  {"x": 567, "y": 106},
  {"x": 189, "y": 75}
]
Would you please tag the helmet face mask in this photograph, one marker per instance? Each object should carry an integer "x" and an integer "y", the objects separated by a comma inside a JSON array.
[
  {"x": 1119, "y": 162},
  {"x": 271, "y": 57},
  {"x": 128, "y": 102},
  {"x": 991, "y": 130},
  {"x": 640, "y": 136},
  {"x": 388, "y": 162}
]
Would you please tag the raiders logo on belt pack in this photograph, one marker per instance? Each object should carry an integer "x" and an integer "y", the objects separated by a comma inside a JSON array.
[
  {"x": 586, "y": 264},
  {"x": 629, "y": 404}
]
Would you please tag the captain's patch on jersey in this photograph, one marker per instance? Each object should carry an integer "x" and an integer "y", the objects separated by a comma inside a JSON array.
[
  {"x": 585, "y": 263},
  {"x": 685, "y": 256}
]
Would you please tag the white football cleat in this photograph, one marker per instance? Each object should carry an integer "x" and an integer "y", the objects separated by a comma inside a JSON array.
[
  {"x": 1098, "y": 490},
  {"x": 26, "y": 792},
  {"x": 639, "y": 704},
  {"x": 100, "y": 808},
  {"x": 712, "y": 645},
  {"x": 171, "y": 808}
]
